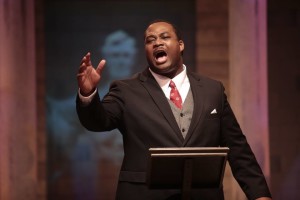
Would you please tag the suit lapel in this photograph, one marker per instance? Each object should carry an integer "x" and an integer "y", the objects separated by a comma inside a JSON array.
[
  {"x": 198, "y": 96},
  {"x": 154, "y": 90}
]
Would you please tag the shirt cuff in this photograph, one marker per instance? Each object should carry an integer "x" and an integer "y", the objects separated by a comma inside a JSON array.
[{"x": 86, "y": 100}]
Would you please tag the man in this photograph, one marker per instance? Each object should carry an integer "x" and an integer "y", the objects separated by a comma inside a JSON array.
[
  {"x": 119, "y": 51},
  {"x": 142, "y": 109}
]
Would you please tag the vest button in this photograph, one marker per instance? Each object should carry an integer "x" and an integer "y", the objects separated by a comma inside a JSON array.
[
  {"x": 181, "y": 114},
  {"x": 183, "y": 130}
]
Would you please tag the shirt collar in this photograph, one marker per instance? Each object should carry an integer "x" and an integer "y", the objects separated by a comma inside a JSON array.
[{"x": 164, "y": 81}]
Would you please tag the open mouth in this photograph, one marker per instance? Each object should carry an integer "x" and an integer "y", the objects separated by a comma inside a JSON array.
[{"x": 160, "y": 56}]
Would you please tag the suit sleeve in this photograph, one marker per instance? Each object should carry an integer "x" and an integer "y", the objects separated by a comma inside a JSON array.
[
  {"x": 102, "y": 115},
  {"x": 244, "y": 165}
]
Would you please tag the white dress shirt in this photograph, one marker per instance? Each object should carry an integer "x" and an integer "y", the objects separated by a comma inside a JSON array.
[{"x": 181, "y": 81}]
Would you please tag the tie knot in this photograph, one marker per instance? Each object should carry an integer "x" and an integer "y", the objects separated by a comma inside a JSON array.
[{"x": 172, "y": 84}]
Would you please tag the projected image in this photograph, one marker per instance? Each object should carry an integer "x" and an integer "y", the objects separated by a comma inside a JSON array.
[
  {"x": 119, "y": 51},
  {"x": 85, "y": 151},
  {"x": 84, "y": 165}
]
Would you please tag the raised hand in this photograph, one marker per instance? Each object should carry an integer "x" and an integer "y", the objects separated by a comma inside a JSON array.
[{"x": 88, "y": 77}]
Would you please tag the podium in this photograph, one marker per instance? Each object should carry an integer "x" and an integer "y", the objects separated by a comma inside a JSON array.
[{"x": 186, "y": 168}]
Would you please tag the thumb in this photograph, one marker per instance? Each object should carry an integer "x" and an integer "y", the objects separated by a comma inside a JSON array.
[{"x": 100, "y": 66}]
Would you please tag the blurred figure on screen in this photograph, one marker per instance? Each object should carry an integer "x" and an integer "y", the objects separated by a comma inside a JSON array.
[
  {"x": 74, "y": 152},
  {"x": 119, "y": 50}
]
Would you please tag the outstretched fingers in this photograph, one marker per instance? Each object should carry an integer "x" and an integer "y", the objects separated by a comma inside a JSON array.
[
  {"x": 88, "y": 59},
  {"x": 85, "y": 62},
  {"x": 100, "y": 66}
]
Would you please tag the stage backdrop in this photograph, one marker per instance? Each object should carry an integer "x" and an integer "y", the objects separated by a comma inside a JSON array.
[{"x": 83, "y": 165}]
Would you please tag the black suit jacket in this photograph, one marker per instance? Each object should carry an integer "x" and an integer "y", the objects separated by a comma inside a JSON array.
[{"x": 140, "y": 110}]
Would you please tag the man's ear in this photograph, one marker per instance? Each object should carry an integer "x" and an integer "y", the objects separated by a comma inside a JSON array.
[{"x": 181, "y": 45}]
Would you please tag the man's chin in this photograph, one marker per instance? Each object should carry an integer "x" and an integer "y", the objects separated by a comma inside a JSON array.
[
  {"x": 162, "y": 66},
  {"x": 159, "y": 68},
  {"x": 164, "y": 71}
]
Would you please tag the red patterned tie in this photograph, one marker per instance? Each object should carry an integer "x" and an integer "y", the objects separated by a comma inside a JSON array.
[{"x": 175, "y": 96}]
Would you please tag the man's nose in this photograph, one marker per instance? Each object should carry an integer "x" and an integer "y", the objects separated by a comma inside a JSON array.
[{"x": 158, "y": 42}]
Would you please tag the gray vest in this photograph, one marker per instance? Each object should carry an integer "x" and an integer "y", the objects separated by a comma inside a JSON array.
[{"x": 183, "y": 117}]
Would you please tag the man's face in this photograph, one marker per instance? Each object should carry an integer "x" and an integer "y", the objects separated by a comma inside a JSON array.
[
  {"x": 163, "y": 49},
  {"x": 119, "y": 51}
]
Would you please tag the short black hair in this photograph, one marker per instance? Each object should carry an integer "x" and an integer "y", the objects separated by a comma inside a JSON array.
[{"x": 176, "y": 30}]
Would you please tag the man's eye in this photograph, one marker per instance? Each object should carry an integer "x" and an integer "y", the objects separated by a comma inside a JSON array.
[
  {"x": 149, "y": 40},
  {"x": 165, "y": 37}
]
